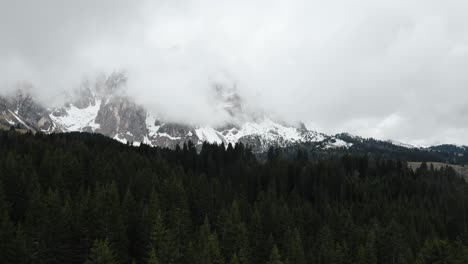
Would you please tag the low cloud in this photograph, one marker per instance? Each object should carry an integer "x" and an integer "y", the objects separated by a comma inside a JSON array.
[{"x": 387, "y": 69}]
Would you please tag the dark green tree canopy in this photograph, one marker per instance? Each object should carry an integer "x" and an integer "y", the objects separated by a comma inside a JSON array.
[{"x": 84, "y": 198}]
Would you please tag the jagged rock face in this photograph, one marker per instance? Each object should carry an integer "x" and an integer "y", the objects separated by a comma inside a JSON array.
[
  {"x": 229, "y": 99},
  {"x": 102, "y": 107},
  {"x": 4, "y": 122},
  {"x": 83, "y": 97},
  {"x": 3, "y": 105},
  {"x": 120, "y": 117},
  {"x": 175, "y": 130},
  {"x": 170, "y": 134},
  {"x": 22, "y": 111},
  {"x": 32, "y": 113}
]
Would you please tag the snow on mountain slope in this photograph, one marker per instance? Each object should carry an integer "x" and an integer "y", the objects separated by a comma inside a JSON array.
[
  {"x": 151, "y": 125},
  {"x": 103, "y": 107},
  {"x": 401, "y": 144},
  {"x": 18, "y": 119},
  {"x": 337, "y": 143},
  {"x": 270, "y": 130},
  {"x": 120, "y": 119},
  {"x": 76, "y": 119},
  {"x": 208, "y": 134}
]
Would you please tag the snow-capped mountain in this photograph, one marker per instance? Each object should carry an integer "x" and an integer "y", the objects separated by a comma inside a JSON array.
[
  {"x": 103, "y": 107},
  {"x": 21, "y": 110}
]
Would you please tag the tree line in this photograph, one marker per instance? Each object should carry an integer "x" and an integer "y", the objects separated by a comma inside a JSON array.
[{"x": 84, "y": 198}]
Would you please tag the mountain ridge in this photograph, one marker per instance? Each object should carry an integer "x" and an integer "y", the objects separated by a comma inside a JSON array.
[{"x": 103, "y": 107}]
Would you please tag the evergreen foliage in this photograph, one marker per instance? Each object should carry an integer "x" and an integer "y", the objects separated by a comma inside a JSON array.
[
  {"x": 101, "y": 253},
  {"x": 83, "y": 198}
]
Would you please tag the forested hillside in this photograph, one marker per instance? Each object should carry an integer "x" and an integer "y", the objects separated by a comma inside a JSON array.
[{"x": 85, "y": 198}]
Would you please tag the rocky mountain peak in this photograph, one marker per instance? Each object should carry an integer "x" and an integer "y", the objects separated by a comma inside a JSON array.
[
  {"x": 20, "y": 109},
  {"x": 229, "y": 99},
  {"x": 104, "y": 87},
  {"x": 102, "y": 106}
]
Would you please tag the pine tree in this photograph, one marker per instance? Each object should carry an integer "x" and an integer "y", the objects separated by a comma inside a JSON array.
[
  {"x": 203, "y": 243},
  {"x": 131, "y": 218},
  {"x": 370, "y": 248},
  {"x": 51, "y": 247},
  {"x": 214, "y": 251},
  {"x": 192, "y": 254},
  {"x": 326, "y": 246},
  {"x": 7, "y": 233},
  {"x": 159, "y": 238},
  {"x": 392, "y": 245},
  {"x": 109, "y": 219},
  {"x": 152, "y": 258},
  {"x": 34, "y": 224},
  {"x": 244, "y": 255},
  {"x": 235, "y": 235},
  {"x": 234, "y": 260},
  {"x": 258, "y": 239},
  {"x": 295, "y": 249},
  {"x": 101, "y": 253},
  {"x": 340, "y": 256},
  {"x": 21, "y": 253},
  {"x": 177, "y": 217},
  {"x": 435, "y": 251},
  {"x": 361, "y": 255},
  {"x": 275, "y": 257}
]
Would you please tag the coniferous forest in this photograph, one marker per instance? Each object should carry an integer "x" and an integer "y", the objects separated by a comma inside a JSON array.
[{"x": 84, "y": 198}]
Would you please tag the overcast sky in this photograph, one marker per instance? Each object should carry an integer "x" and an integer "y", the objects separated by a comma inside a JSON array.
[{"x": 390, "y": 69}]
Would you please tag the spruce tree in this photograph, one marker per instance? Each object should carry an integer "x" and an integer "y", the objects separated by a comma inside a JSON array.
[
  {"x": 159, "y": 238},
  {"x": 34, "y": 224},
  {"x": 21, "y": 253},
  {"x": 214, "y": 250},
  {"x": 203, "y": 254},
  {"x": 326, "y": 246},
  {"x": 275, "y": 257},
  {"x": 8, "y": 241},
  {"x": 340, "y": 256},
  {"x": 110, "y": 223},
  {"x": 152, "y": 258},
  {"x": 295, "y": 249},
  {"x": 101, "y": 253},
  {"x": 435, "y": 251},
  {"x": 234, "y": 260}
]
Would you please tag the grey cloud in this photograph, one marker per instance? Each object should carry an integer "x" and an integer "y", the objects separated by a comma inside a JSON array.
[{"x": 387, "y": 69}]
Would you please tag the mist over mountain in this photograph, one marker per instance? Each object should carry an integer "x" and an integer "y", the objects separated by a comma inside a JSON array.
[
  {"x": 240, "y": 132},
  {"x": 103, "y": 106},
  {"x": 390, "y": 70}
]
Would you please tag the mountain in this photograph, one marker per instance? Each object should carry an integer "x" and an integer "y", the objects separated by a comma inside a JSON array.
[
  {"x": 21, "y": 110},
  {"x": 102, "y": 106}
]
